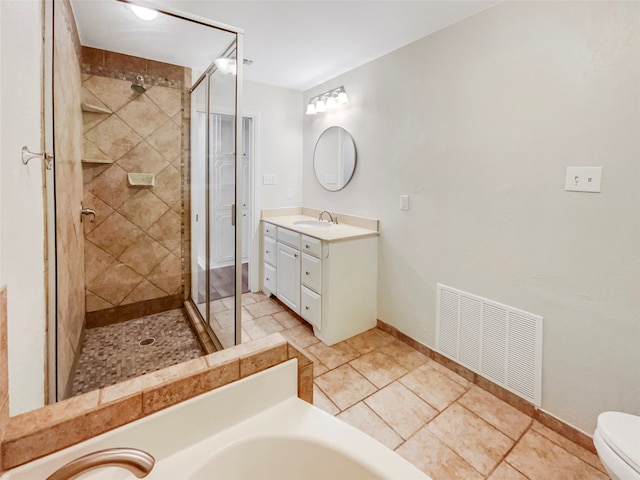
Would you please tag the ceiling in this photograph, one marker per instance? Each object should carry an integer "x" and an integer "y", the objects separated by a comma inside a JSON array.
[{"x": 293, "y": 44}]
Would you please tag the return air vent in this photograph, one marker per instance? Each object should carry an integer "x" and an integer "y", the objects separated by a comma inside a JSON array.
[{"x": 501, "y": 343}]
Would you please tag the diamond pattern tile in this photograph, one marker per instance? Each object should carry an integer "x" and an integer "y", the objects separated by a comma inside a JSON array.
[
  {"x": 142, "y": 115},
  {"x": 138, "y": 230},
  {"x": 144, "y": 255},
  {"x": 111, "y": 92},
  {"x": 168, "y": 99},
  {"x": 115, "y": 234},
  {"x": 111, "y": 186},
  {"x": 143, "y": 158},
  {"x": 166, "y": 140},
  {"x": 143, "y": 209},
  {"x": 113, "y": 137}
]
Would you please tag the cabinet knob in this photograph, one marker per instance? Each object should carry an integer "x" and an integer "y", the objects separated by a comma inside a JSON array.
[
  {"x": 266, "y": 251},
  {"x": 306, "y": 308},
  {"x": 307, "y": 273},
  {"x": 295, "y": 255},
  {"x": 307, "y": 246},
  {"x": 267, "y": 279}
]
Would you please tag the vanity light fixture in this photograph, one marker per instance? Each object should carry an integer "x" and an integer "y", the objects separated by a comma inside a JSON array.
[
  {"x": 311, "y": 108},
  {"x": 144, "y": 13},
  {"x": 327, "y": 101},
  {"x": 321, "y": 106}
]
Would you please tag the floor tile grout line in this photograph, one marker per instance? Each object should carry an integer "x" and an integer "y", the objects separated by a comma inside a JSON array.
[
  {"x": 533, "y": 420},
  {"x": 504, "y": 459}
]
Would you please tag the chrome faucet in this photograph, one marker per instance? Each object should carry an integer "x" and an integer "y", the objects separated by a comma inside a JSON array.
[
  {"x": 136, "y": 461},
  {"x": 330, "y": 217}
]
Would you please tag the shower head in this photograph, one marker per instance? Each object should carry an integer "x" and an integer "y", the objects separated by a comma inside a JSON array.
[{"x": 138, "y": 85}]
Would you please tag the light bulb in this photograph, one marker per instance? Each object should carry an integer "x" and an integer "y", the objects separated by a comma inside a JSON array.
[
  {"x": 342, "y": 97},
  {"x": 321, "y": 106},
  {"x": 144, "y": 13},
  {"x": 311, "y": 108},
  {"x": 331, "y": 102}
]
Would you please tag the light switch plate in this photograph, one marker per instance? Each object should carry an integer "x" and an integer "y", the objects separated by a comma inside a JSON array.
[
  {"x": 583, "y": 179},
  {"x": 404, "y": 202},
  {"x": 269, "y": 179}
]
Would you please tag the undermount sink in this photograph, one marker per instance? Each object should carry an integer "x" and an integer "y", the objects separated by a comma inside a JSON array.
[{"x": 312, "y": 224}]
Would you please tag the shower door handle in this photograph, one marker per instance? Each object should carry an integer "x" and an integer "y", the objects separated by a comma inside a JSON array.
[
  {"x": 233, "y": 214},
  {"x": 87, "y": 211}
]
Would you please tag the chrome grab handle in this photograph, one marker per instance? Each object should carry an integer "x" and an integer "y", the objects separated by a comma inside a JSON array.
[
  {"x": 87, "y": 211},
  {"x": 28, "y": 155},
  {"x": 136, "y": 461}
]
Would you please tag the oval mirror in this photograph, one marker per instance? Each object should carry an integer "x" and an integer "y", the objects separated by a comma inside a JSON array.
[{"x": 334, "y": 159}]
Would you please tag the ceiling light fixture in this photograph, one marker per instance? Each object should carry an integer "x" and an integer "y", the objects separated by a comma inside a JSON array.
[
  {"x": 227, "y": 65},
  {"x": 144, "y": 13},
  {"x": 327, "y": 101}
]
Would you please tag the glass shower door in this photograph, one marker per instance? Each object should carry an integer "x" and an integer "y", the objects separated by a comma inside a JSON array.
[{"x": 216, "y": 265}]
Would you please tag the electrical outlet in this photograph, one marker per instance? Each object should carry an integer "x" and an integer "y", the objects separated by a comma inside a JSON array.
[
  {"x": 289, "y": 194},
  {"x": 583, "y": 179},
  {"x": 269, "y": 179},
  {"x": 404, "y": 202}
]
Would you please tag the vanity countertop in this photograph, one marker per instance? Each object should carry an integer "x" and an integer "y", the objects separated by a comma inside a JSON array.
[{"x": 341, "y": 231}]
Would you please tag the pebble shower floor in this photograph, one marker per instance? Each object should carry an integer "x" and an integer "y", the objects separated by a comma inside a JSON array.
[{"x": 125, "y": 350}]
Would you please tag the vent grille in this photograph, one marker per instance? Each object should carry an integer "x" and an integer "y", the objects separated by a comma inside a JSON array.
[{"x": 499, "y": 342}]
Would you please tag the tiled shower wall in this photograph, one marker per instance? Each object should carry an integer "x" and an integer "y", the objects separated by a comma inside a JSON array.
[
  {"x": 133, "y": 249},
  {"x": 68, "y": 174}
]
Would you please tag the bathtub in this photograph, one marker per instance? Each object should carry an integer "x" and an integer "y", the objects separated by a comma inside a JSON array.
[{"x": 255, "y": 428}]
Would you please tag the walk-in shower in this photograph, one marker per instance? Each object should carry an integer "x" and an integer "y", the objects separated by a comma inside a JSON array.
[{"x": 157, "y": 154}]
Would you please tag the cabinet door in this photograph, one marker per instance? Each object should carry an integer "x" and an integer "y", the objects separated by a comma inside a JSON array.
[{"x": 288, "y": 276}]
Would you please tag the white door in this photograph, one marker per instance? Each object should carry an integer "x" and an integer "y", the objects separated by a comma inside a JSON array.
[{"x": 223, "y": 178}]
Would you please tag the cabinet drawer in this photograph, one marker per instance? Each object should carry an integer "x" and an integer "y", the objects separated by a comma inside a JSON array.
[
  {"x": 270, "y": 254},
  {"x": 269, "y": 280},
  {"x": 311, "y": 245},
  {"x": 289, "y": 238},
  {"x": 269, "y": 230},
  {"x": 312, "y": 272},
  {"x": 310, "y": 307}
]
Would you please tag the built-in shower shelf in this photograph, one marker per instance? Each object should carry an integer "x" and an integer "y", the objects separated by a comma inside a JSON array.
[
  {"x": 88, "y": 107},
  {"x": 141, "y": 179},
  {"x": 97, "y": 160}
]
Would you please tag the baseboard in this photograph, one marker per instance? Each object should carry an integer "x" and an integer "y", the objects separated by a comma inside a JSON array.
[
  {"x": 548, "y": 420},
  {"x": 122, "y": 313}
]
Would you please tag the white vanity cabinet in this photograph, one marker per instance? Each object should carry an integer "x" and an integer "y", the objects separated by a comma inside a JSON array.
[{"x": 331, "y": 284}]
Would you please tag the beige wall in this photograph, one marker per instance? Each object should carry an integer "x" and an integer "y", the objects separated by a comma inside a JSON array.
[
  {"x": 68, "y": 195},
  {"x": 278, "y": 150},
  {"x": 477, "y": 124},
  {"x": 133, "y": 249},
  {"x": 22, "y": 214}
]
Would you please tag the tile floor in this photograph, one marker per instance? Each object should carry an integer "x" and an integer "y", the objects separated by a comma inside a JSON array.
[
  {"x": 113, "y": 353},
  {"x": 443, "y": 424}
]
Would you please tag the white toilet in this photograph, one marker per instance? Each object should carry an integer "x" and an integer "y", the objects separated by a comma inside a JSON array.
[{"x": 617, "y": 440}]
